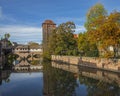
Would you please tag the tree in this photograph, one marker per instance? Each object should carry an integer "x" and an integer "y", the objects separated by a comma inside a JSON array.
[
  {"x": 66, "y": 43},
  {"x": 93, "y": 14},
  {"x": 82, "y": 43},
  {"x": 33, "y": 44},
  {"x": 85, "y": 47},
  {"x": 63, "y": 39},
  {"x": 7, "y": 35},
  {"x": 95, "y": 18},
  {"x": 108, "y": 34},
  {"x": 52, "y": 43},
  {"x": 111, "y": 31}
]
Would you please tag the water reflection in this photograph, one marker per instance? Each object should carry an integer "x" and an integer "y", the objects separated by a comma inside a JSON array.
[
  {"x": 4, "y": 76},
  {"x": 58, "y": 82},
  {"x": 95, "y": 82},
  {"x": 59, "y": 79},
  {"x": 21, "y": 84},
  {"x": 99, "y": 88},
  {"x": 28, "y": 60}
]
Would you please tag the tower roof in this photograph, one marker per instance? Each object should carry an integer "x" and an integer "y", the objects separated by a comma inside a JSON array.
[{"x": 48, "y": 22}]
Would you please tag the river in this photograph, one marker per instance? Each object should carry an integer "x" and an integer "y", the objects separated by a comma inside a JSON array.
[{"x": 60, "y": 80}]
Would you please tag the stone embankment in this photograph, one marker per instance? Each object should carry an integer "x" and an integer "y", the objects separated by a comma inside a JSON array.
[{"x": 101, "y": 63}]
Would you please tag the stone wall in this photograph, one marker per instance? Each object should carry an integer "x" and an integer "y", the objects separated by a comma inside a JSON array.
[{"x": 101, "y": 63}]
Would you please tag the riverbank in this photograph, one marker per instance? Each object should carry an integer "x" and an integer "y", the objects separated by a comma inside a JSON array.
[{"x": 92, "y": 62}]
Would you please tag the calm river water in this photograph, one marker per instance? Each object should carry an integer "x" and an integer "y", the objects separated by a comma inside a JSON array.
[{"x": 60, "y": 80}]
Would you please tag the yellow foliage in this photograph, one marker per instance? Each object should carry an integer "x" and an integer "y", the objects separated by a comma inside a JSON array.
[{"x": 108, "y": 54}]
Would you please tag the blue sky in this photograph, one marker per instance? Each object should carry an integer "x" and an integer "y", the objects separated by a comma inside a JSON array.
[{"x": 23, "y": 18}]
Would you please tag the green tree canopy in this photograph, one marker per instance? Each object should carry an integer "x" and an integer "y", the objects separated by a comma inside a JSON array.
[
  {"x": 33, "y": 43},
  {"x": 93, "y": 14},
  {"x": 63, "y": 41},
  {"x": 7, "y": 35},
  {"x": 85, "y": 47}
]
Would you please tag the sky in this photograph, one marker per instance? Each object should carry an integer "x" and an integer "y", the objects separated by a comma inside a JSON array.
[{"x": 23, "y": 18}]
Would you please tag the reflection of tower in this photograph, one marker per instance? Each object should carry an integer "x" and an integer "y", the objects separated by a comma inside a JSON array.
[
  {"x": 48, "y": 80},
  {"x": 47, "y": 28}
]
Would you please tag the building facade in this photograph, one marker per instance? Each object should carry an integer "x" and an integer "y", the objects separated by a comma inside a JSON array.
[
  {"x": 47, "y": 28},
  {"x": 26, "y": 49}
]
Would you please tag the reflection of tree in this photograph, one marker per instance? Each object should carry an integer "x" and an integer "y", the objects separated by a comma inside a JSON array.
[
  {"x": 36, "y": 56},
  {"x": 58, "y": 82},
  {"x": 7, "y": 80},
  {"x": 99, "y": 88},
  {"x": 4, "y": 75},
  {"x": 10, "y": 59},
  {"x": 66, "y": 83}
]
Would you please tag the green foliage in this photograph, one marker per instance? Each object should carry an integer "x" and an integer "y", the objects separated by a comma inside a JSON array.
[
  {"x": 33, "y": 44},
  {"x": 59, "y": 82},
  {"x": 53, "y": 41},
  {"x": 99, "y": 87},
  {"x": 85, "y": 47},
  {"x": 93, "y": 14},
  {"x": 47, "y": 55},
  {"x": 11, "y": 58},
  {"x": 63, "y": 41},
  {"x": 9, "y": 43},
  {"x": 7, "y": 35},
  {"x": 34, "y": 62}
]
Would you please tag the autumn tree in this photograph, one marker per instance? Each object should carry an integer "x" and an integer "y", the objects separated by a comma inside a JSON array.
[
  {"x": 93, "y": 14},
  {"x": 94, "y": 18},
  {"x": 108, "y": 33}
]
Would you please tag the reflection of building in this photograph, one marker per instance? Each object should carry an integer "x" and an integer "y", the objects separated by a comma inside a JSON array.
[
  {"x": 27, "y": 55},
  {"x": 47, "y": 27}
]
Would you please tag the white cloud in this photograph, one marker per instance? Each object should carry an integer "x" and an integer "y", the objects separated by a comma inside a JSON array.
[
  {"x": 22, "y": 34},
  {"x": 19, "y": 28}
]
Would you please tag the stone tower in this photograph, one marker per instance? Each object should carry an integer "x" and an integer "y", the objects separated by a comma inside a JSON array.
[{"x": 47, "y": 28}]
